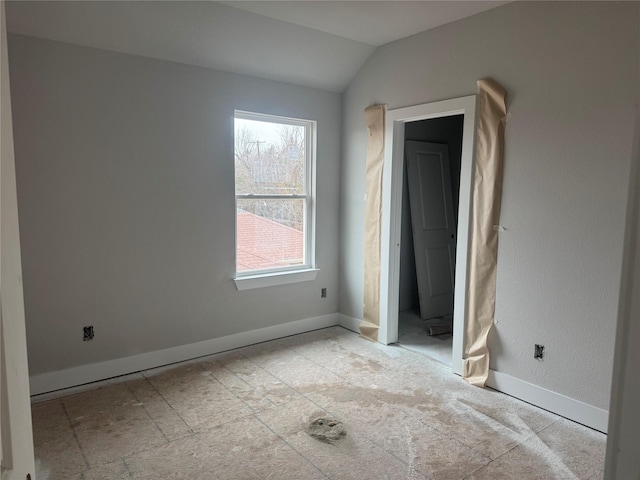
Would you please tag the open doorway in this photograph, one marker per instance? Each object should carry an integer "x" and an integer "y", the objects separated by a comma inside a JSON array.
[
  {"x": 391, "y": 224},
  {"x": 430, "y": 199}
]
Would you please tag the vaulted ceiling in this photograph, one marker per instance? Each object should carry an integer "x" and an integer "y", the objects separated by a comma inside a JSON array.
[{"x": 320, "y": 44}]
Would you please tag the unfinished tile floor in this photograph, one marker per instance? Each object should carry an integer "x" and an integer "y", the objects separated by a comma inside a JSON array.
[{"x": 244, "y": 415}]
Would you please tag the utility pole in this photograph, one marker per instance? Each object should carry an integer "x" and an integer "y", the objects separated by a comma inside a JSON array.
[
  {"x": 261, "y": 168},
  {"x": 258, "y": 142}
]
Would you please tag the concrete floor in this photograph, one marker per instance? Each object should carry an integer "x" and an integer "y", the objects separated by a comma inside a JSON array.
[
  {"x": 412, "y": 334},
  {"x": 243, "y": 414}
]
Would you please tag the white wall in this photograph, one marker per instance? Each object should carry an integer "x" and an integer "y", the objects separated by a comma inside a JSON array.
[
  {"x": 571, "y": 71},
  {"x": 126, "y": 200}
]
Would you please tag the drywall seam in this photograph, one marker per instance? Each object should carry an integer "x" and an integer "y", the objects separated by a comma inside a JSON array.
[
  {"x": 557, "y": 403},
  {"x": 72, "y": 377},
  {"x": 374, "y": 116}
]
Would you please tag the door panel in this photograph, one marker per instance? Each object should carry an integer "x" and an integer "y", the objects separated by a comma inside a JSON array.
[
  {"x": 439, "y": 268},
  {"x": 429, "y": 171},
  {"x": 433, "y": 219}
]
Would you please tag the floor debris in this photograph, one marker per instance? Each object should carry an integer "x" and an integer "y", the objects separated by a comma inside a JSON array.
[{"x": 327, "y": 430}]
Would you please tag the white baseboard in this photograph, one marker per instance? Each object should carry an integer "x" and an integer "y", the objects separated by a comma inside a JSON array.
[
  {"x": 73, "y": 377},
  {"x": 557, "y": 403},
  {"x": 350, "y": 323},
  {"x": 45, "y": 383}
]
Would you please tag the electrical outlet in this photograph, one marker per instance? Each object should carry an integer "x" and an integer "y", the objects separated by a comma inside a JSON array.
[
  {"x": 323, "y": 293},
  {"x": 87, "y": 333},
  {"x": 538, "y": 352}
]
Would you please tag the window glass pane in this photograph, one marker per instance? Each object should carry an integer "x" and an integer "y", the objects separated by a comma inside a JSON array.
[
  {"x": 269, "y": 233},
  {"x": 269, "y": 157}
]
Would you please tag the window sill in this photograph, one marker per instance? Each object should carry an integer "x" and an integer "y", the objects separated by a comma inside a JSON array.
[{"x": 272, "y": 279}]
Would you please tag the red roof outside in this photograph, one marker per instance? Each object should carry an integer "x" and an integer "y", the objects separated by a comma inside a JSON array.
[{"x": 263, "y": 243}]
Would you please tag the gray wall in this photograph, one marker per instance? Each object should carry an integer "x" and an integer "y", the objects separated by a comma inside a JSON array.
[
  {"x": 408, "y": 295},
  {"x": 126, "y": 202},
  {"x": 571, "y": 70}
]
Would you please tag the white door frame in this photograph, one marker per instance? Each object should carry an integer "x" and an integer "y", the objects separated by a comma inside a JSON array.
[
  {"x": 392, "y": 215},
  {"x": 16, "y": 453}
]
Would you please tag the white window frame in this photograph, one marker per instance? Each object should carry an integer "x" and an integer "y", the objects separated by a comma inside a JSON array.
[{"x": 296, "y": 273}]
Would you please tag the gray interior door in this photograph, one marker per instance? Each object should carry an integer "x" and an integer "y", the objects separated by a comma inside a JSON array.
[{"x": 433, "y": 224}]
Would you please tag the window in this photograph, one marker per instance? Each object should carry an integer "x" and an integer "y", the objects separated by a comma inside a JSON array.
[{"x": 274, "y": 194}]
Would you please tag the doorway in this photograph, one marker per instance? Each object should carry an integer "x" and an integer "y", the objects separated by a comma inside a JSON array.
[
  {"x": 391, "y": 224},
  {"x": 425, "y": 317}
]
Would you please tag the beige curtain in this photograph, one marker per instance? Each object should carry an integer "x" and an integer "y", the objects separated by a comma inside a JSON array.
[
  {"x": 487, "y": 195},
  {"x": 370, "y": 325}
]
